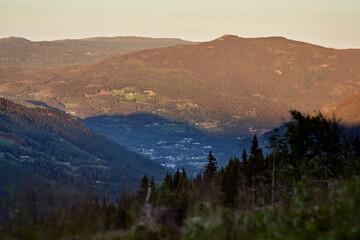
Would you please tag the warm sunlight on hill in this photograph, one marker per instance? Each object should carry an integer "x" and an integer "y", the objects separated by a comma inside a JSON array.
[
  {"x": 15, "y": 51},
  {"x": 347, "y": 110},
  {"x": 231, "y": 83}
]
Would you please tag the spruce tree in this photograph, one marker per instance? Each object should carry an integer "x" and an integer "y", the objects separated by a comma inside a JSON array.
[
  {"x": 169, "y": 181},
  {"x": 230, "y": 182},
  {"x": 177, "y": 176},
  {"x": 256, "y": 161},
  {"x": 123, "y": 217},
  {"x": 356, "y": 146},
  {"x": 244, "y": 156},
  {"x": 183, "y": 174},
  {"x": 210, "y": 168},
  {"x": 153, "y": 190},
  {"x": 143, "y": 189},
  {"x": 183, "y": 181}
]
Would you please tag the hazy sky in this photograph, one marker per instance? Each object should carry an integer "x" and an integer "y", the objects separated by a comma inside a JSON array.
[{"x": 330, "y": 23}]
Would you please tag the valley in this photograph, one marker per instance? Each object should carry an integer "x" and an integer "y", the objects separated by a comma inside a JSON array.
[
  {"x": 171, "y": 144},
  {"x": 174, "y": 104},
  {"x": 179, "y": 120}
]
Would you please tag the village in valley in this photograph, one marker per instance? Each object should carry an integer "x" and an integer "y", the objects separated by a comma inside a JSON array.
[{"x": 172, "y": 144}]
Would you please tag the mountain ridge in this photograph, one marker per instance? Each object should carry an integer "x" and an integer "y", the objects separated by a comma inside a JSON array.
[
  {"x": 229, "y": 84},
  {"x": 18, "y": 51}
]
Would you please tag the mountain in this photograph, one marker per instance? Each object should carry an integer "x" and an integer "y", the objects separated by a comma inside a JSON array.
[
  {"x": 231, "y": 85},
  {"x": 347, "y": 110},
  {"x": 39, "y": 143},
  {"x": 15, "y": 51}
]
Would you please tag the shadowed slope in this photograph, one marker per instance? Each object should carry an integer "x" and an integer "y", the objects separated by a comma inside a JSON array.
[{"x": 53, "y": 145}]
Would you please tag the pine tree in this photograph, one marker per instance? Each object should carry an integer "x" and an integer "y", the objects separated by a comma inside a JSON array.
[
  {"x": 183, "y": 174},
  {"x": 96, "y": 206},
  {"x": 356, "y": 146},
  {"x": 210, "y": 168},
  {"x": 230, "y": 182},
  {"x": 256, "y": 160},
  {"x": 255, "y": 150},
  {"x": 169, "y": 181},
  {"x": 245, "y": 177},
  {"x": 177, "y": 176},
  {"x": 123, "y": 218},
  {"x": 143, "y": 189},
  {"x": 244, "y": 156},
  {"x": 198, "y": 179},
  {"x": 104, "y": 203},
  {"x": 183, "y": 182},
  {"x": 105, "y": 214},
  {"x": 153, "y": 190}
]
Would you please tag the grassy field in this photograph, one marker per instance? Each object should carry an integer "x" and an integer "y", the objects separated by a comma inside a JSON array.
[
  {"x": 72, "y": 105},
  {"x": 3, "y": 142},
  {"x": 128, "y": 89},
  {"x": 76, "y": 115},
  {"x": 138, "y": 97},
  {"x": 117, "y": 93},
  {"x": 129, "y": 94}
]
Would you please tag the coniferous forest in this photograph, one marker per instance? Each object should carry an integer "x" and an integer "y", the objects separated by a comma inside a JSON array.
[{"x": 307, "y": 187}]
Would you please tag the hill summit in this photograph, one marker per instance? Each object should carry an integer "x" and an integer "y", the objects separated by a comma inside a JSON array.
[{"x": 230, "y": 84}]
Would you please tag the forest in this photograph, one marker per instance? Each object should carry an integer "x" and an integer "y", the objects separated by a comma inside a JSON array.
[
  {"x": 308, "y": 187},
  {"x": 54, "y": 148}
]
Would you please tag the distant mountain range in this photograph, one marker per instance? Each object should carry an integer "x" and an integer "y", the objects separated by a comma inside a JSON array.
[
  {"x": 15, "y": 51},
  {"x": 47, "y": 145},
  {"x": 231, "y": 85}
]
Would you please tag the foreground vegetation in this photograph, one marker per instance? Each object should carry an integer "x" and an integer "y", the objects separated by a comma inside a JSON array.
[{"x": 308, "y": 188}]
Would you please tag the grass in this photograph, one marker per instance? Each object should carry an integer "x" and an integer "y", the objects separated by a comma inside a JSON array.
[
  {"x": 127, "y": 89},
  {"x": 138, "y": 97},
  {"x": 3, "y": 142},
  {"x": 72, "y": 105},
  {"x": 128, "y": 93},
  {"x": 76, "y": 115},
  {"x": 129, "y": 97},
  {"x": 117, "y": 93}
]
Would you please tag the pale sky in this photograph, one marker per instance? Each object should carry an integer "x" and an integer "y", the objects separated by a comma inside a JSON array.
[{"x": 329, "y": 23}]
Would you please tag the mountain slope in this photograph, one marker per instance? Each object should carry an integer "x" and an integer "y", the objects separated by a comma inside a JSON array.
[
  {"x": 16, "y": 51},
  {"x": 347, "y": 110},
  {"x": 45, "y": 143},
  {"x": 230, "y": 85}
]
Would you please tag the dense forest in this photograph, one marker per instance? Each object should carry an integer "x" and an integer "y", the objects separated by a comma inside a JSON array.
[
  {"x": 307, "y": 188},
  {"x": 47, "y": 146}
]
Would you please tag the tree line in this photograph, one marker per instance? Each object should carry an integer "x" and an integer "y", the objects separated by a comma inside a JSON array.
[{"x": 300, "y": 178}]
